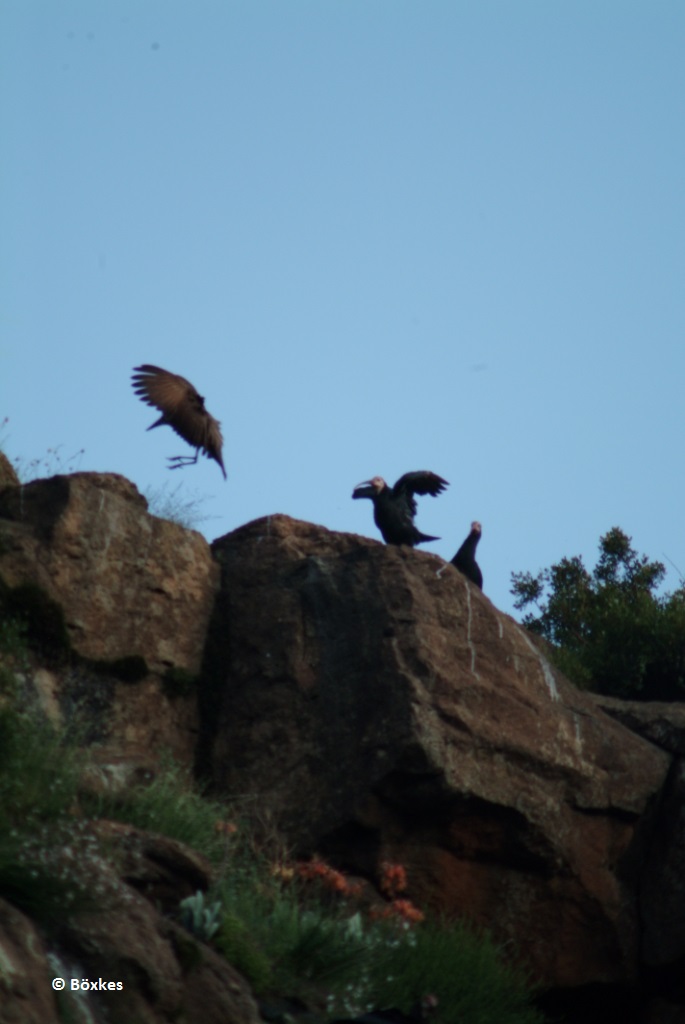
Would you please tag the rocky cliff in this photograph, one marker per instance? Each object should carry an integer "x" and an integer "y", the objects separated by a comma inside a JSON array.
[{"x": 377, "y": 707}]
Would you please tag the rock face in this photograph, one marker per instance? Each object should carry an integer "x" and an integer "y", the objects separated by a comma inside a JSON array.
[
  {"x": 128, "y": 583},
  {"x": 166, "y": 975},
  {"x": 132, "y": 595},
  {"x": 382, "y": 709},
  {"x": 377, "y": 707}
]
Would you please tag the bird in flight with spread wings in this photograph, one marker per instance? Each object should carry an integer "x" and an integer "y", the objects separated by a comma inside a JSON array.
[{"x": 183, "y": 409}]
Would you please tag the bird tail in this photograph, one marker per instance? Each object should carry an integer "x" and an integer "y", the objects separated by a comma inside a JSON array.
[{"x": 423, "y": 537}]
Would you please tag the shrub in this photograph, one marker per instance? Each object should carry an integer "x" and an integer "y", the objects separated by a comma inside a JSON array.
[
  {"x": 464, "y": 969},
  {"x": 50, "y": 864},
  {"x": 609, "y": 629}
]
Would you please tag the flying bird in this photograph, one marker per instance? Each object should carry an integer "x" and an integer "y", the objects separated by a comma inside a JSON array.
[
  {"x": 465, "y": 558},
  {"x": 183, "y": 409},
  {"x": 394, "y": 508}
]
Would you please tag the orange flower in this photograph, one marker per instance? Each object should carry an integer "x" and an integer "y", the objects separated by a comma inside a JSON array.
[
  {"x": 407, "y": 911},
  {"x": 393, "y": 879}
]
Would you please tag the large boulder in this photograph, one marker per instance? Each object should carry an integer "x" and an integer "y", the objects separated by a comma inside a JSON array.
[
  {"x": 117, "y": 603},
  {"x": 379, "y": 708},
  {"x": 128, "y": 583}
]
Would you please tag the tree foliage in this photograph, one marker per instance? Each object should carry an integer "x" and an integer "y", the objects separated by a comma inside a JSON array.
[{"x": 609, "y": 630}]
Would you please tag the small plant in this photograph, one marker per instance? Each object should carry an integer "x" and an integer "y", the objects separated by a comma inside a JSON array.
[
  {"x": 281, "y": 944},
  {"x": 326, "y": 878},
  {"x": 393, "y": 884},
  {"x": 200, "y": 919},
  {"x": 176, "y": 504},
  {"x": 53, "y": 463},
  {"x": 244, "y": 952},
  {"x": 170, "y": 805}
]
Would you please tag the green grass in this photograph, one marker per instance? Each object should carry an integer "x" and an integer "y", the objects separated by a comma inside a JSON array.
[
  {"x": 49, "y": 863},
  {"x": 463, "y": 968},
  {"x": 169, "y": 805},
  {"x": 284, "y": 945},
  {"x": 341, "y": 962},
  {"x": 39, "y": 771}
]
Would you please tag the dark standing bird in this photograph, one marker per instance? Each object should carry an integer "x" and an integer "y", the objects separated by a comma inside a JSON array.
[
  {"x": 394, "y": 508},
  {"x": 465, "y": 558},
  {"x": 183, "y": 409}
]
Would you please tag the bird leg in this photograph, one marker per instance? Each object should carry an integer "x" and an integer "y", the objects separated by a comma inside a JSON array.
[{"x": 183, "y": 460}]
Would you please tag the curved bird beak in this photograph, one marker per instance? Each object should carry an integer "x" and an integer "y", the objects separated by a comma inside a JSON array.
[{"x": 364, "y": 490}]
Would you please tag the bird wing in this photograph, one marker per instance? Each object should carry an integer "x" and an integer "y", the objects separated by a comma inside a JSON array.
[
  {"x": 166, "y": 391},
  {"x": 420, "y": 482},
  {"x": 182, "y": 406}
]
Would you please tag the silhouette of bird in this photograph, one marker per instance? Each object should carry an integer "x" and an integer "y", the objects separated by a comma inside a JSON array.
[
  {"x": 183, "y": 409},
  {"x": 394, "y": 508},
  {"x": 465, "y": 558}
]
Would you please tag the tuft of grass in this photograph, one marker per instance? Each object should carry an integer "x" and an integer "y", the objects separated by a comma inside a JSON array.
[
  {"x": 244, "y": 952},
  {"x": 282, "y": 945},
  {"x": 171, "y": 805},
  {"x": 39, "y": 771},
  {"x": 177, "y": 504},
  {"x": 464, "y": 968}
]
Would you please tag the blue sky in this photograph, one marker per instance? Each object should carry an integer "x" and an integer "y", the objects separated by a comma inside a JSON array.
[{"x": 378, "y": 236}]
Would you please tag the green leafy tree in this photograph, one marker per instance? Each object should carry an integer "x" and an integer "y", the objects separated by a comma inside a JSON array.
[{"x": 609, "y": 630}]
